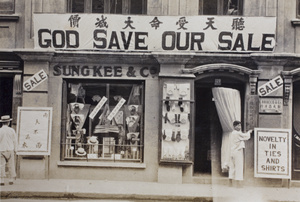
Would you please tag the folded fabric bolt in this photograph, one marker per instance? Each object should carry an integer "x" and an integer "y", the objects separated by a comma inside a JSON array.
[
  {"x": 173, "y": 107},
  {"x": 167, "y": 103},
  {"x": 134, "y": 137},
  {"x": 170, "y": 88},
  {"x": 75, "y": 105},
  {"x": 133, "y": 107},
  {"x": 174, "y": 118},
  {"x": 183, "y": 89},
  {"x": 166, "y": 118},
  {"x": 184, "y": 134},
  {"x": 180, "y": 104},
  {"x": 178, "y": 136},
  {"x": 75, "y": 89},
  {"x": 168, "y": 133},
  {"x": 184, "y": 118},
  {"x": 186, "y": 107},
  {"x": 164, "y": 134},
  {"x": 173, "y": 136}
]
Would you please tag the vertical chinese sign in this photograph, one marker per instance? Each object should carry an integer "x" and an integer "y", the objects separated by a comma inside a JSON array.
[
  {"x": 272, "y": 153},
  {"x": 34, "y": 130}
]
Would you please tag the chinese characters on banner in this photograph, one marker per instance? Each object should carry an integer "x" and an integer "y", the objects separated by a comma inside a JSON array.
[
  {"x": 272, "y": 153},
  {"x": 154, "y": 33},
  {"x": 34, "y": 130}
]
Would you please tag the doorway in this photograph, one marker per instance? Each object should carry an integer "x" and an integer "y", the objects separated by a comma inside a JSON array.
[
  {"x": 296, "y": 133},
  {"x": 6, "y": 95},
  {"x": 208, "y": 129}
]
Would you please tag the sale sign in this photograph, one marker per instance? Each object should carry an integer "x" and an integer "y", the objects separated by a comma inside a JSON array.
[
  {"x": 109, "y": 32},
  {"x": 271, "y": 86},
  {"x": 35, "y": 80}
]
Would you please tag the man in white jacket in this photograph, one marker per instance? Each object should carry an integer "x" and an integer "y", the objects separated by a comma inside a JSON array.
[
  {"x": 8, "y": 147},
  {"x": 237, "y": 145}
]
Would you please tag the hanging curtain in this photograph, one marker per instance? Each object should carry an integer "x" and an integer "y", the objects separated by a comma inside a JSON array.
[{"x": 228, "y": 104}]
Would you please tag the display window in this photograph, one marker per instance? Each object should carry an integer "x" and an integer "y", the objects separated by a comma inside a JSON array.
[
  {"x": 102, "y": 120},
  {"x": 176, "y": 121}
]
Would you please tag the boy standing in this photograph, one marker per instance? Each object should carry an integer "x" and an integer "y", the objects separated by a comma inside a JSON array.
[
  {"x": 237, "y": 145},
  {"x": 8, "y": 147}
]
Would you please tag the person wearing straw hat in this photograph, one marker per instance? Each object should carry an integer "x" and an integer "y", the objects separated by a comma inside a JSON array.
[{"x": 8, "y": 147}]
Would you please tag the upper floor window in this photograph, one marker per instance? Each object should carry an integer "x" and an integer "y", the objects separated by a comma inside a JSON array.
[
  {"x": 7, "y": 6},
  {"x": 220, "y": 7},
  {"x": 108, "y": 6}
]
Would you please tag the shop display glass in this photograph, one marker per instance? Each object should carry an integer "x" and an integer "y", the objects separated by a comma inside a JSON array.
[
  {"x": 103, "y": 121},
  {"x": 176, "y": 121}
]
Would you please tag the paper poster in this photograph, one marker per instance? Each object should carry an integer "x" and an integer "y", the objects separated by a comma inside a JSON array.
[
  {"x": 272, "y": 153},
  {"x": 34, "y": 130}
]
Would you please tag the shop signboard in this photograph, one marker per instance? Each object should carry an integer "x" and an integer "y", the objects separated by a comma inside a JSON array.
[
  {"x": 143, "y": 33},
  {"x": 105, "y": 71},
  {"x": 272, "y": 154},
  {"x": 34, "y": 130},
  {"x": 270, "y": 105}
]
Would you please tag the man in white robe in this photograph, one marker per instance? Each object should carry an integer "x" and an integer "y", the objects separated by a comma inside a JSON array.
[{"x": 237, "y": 144}]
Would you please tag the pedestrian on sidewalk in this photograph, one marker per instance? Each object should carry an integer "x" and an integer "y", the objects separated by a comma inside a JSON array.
[
  {"x": 8, "y": 147},
  {"x": 237, "y": 144}
]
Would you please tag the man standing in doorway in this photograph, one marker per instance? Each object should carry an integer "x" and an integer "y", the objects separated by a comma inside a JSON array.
[
  {"x": 8, "y": 147},
  {"x": 237, "y": 145}
]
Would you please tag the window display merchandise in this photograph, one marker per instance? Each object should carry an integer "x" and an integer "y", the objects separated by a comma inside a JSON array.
[
  {"x": 103, "y": 121},
  {"x": 176, "y": 121}
]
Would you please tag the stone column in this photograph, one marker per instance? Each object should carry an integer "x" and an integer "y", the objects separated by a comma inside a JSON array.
[
  {"x": 171, "y": 66},
  {"x": 38, "y": 97}
]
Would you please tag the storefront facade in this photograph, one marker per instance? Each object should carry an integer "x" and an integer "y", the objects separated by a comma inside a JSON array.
[{"x": 140, "y": 101}]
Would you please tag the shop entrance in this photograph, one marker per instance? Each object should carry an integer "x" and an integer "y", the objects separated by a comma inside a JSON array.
[
  {"x": 296, "y": 133},
  {"x": 208, "y": 129},
  {"x": 6, "y": 90}
]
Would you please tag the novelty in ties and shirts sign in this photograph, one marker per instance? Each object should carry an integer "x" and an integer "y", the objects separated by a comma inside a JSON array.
[
  {"x": 154, "y": 33},
  {"x": 272, "y": 153}
]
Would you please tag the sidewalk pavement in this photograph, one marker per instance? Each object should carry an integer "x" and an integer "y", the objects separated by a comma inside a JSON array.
[{"x": 152, "y": 191}]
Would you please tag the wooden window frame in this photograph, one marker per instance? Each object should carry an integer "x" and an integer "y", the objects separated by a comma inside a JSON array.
[
  {"x": 7, "y": 10},
  {"x": 126, "y": 5},
  {"x": 140, "y": 146},
  {"x": 220, "y": 7}
]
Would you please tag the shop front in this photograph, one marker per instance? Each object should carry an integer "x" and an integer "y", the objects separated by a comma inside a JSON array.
[
  {"x": 155, "y": 102},
  {"x": 10, "y": 85}
]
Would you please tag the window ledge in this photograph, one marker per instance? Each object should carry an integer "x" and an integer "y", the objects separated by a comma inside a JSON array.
[
  {"x": 295, "y": 22},
  {"x": 12, "y": 18},
  {"x": 101, "y": 164}
]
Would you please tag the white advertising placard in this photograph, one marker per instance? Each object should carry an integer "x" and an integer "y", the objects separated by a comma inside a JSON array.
[
  {"x": 98, "y": 107},
  {"x": 116, "y": 109},
  {"x": 272, "y": 154},
  {"x": 34, "y": 130},
  {"x": 111, "y": 32}
]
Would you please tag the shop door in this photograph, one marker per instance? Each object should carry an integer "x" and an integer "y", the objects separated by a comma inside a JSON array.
[
  {"x": 208, "y": 129},
  {"x": 6, "y": 94},
  {"x": 296, "y": 133},
  {"x": 208, "y": 133}
]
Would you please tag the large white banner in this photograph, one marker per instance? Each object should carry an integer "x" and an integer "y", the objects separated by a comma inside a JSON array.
[{"x": 154, "y": 33}]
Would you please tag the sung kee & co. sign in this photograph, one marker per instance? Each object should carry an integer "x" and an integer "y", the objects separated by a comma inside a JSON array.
[{"x": 154, "y": 33}]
